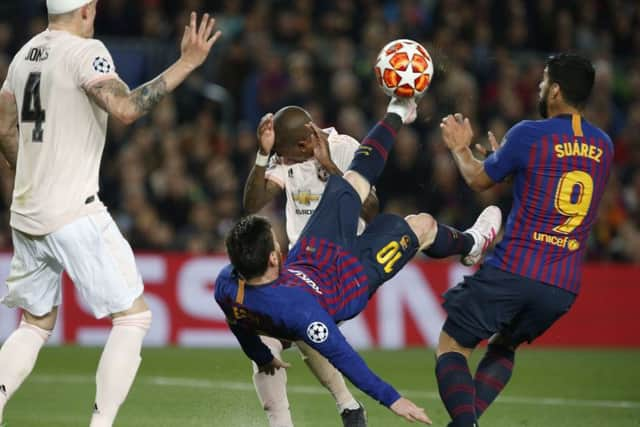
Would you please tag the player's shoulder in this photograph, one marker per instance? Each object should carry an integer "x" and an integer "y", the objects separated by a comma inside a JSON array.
[
  {"x": 22, "y": 52},
  {"x": 596, "y": 132},
  {"x": 339, "y": 140},
  {"x": 529, "y": 127},
  {"x": 226, "y": 277},
  {"x": 523, "y": 132},
  {"x": 81, "y": 46}
]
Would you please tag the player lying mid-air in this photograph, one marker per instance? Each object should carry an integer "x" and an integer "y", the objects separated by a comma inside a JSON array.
[
  {"x": 301, "y": 169},
  {"x": 331, "y": 272},
  {"x": 560, "y": 167}
]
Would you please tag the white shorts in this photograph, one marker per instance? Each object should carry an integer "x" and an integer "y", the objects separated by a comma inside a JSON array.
[{"x": 94, "y": 254}]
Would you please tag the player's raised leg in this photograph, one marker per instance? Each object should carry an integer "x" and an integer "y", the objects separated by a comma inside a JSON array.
[
  {"x": 20, "y": 351},
  {"x": 472, "y": 243},
  {"x": 369, "y": 160},
  {"x": 119, "y": 362},
  {"x": 272, "y": 389},
  {"x": 351, "y": 412}
]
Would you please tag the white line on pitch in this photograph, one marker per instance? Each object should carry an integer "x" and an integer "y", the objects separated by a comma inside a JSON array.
[{"x": 313, "y": 390}]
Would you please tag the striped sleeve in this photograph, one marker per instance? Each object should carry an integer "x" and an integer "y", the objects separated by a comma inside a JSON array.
[
  {"x": 511, "y": 155},
  {"x": 319, "y": 330}
]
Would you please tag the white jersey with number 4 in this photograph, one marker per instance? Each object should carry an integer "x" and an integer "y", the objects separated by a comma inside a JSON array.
[
  {"x": 304, "y": 182},
  {"x": 62, "y": 132}
]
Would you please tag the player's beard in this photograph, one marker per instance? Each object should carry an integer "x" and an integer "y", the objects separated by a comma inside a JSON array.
[{"x": 543, "y": 105}]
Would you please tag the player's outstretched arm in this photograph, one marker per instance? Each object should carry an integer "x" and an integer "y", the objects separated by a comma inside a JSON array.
[
  {"x": 114, "y": 96},
  {"x": 320, "y": 332},
  {"x": 457, "y": 135},
  {"x": 9, "y": 128},
  {"x": 258, "y": 190}
]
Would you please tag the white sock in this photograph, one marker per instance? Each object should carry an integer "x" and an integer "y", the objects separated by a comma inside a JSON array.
[
  {"x": 118, "y": 366},
  {"x": 18, "y": 357},
  {"x": 272, "y": 389},
  {"x": 328, "y": 376}
]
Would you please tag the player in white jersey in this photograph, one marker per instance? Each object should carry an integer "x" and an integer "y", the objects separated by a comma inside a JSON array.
[
  {"x": 300, "y": 168},
  {"x": 54, "y": 105}
]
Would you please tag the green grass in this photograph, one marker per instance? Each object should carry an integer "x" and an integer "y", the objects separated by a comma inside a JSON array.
[{"x": 198, "y": 387}]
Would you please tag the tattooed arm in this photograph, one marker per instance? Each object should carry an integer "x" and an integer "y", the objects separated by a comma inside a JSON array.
[
  {"x": 128, "y": 106},
  {"x": 9, "y": 128},
  {"x": 115, "y": 98}
]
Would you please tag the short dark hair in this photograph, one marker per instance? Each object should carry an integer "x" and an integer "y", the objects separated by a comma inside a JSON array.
[
  {"x": 575, "y": 76},
  {"x": 289, "y": 126},
  {"x": 249, "y": 244}
]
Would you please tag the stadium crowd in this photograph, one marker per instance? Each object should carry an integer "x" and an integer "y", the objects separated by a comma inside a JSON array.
[{"x": 174, "y": 181}]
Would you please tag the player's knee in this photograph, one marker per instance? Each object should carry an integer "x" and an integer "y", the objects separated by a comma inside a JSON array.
[
  {"x": 448, "y": 344},
  {"x": 137, "y": 320},
  {"x": 425, "y": 228},
  {"x": 139, "y": 305},
  {"x": 359, "y": 183}
]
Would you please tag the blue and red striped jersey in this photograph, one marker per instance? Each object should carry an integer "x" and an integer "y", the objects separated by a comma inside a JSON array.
[
  {"x": 560, "y": 168},
  {"x": 341, "y": 284},
  {"x": 320, "y": 284}
]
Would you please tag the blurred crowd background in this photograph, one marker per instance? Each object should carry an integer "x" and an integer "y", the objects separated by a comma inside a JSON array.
[{"x": 174, "y": 181}]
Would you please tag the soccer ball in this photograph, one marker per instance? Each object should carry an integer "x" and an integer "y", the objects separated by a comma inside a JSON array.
[{"x": 404, "y": 68}]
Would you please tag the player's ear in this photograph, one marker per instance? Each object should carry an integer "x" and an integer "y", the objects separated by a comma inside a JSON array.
[
  {"x": 274, "y": 258},
  {"x": 554, "y": 90},
  {"x": 306, "y": 146}
]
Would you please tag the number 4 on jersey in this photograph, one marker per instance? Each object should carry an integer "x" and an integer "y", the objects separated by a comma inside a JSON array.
[{"x": 32, "y": 111}]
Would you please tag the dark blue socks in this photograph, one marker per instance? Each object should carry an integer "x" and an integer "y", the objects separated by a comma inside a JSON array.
[
  {"x": 449, "y": 241},
  {"x": 372, "y": 154},
  {"x": 456, "y": 388},
  {"x": 493, "y": 373}
]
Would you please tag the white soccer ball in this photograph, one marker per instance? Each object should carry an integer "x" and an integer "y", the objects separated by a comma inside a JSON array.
[{"x": 404, "y": 68}]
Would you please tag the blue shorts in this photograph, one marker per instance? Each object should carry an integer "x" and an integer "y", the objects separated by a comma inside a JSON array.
[
  {"x": 386, "y": 245},
  {"x": 496, "y": 301}
]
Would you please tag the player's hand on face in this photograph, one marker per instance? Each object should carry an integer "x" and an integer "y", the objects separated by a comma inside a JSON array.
[
  {"x": 271, "y": 367},
  {"x": 456, "y": 132},
  {"x": 198, "y": 40},
  {"x": 409, "y": 411},
  {"x": 492, "y": 142},
  {"x": 320, "y": 145},
  {"x": 266, "y": 134}
]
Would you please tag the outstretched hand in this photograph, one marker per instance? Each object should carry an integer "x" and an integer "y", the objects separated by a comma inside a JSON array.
[
  {"x": 197, "y": 40},
  {"x": 456, "y": 132},
  {"x": 492, "y": 142},
  {"x": 271, "y": 367},
  {"x": 409, "y": 411}
]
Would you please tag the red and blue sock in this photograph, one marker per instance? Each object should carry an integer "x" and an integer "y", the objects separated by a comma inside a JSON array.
[
  {"x": 492, "y": 375},
  {"x": 456, "y": 388},
  {"x": 372, "y": 154}
]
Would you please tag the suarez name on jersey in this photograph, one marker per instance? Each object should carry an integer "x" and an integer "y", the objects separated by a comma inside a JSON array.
[{"x": 560, "y": 167}]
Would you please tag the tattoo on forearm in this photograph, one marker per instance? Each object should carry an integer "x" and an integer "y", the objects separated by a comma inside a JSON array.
[
  {"x": 143, "y": 98},
  {"x": 149, "y": 95}
]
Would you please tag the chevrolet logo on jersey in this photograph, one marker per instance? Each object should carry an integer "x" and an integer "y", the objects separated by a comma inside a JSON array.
[{"x": 305, "y": 197}]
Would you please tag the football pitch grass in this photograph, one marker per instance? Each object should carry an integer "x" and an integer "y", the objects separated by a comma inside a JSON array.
[{"x": 205, "y": 387}]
